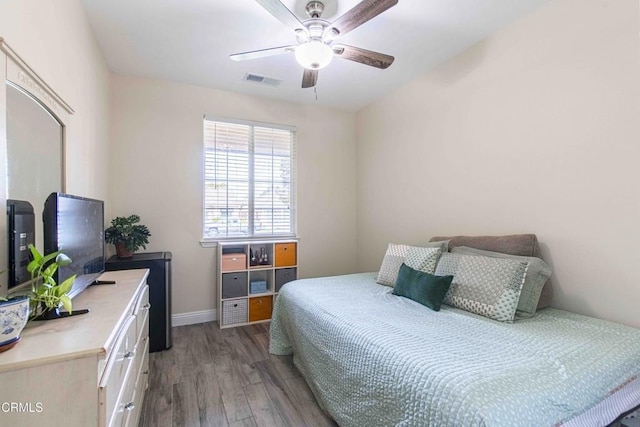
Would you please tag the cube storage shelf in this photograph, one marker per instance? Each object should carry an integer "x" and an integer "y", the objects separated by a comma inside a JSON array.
[{"x": 250, "y": 275}]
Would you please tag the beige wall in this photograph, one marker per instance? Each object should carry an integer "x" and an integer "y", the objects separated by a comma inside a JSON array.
[
  {"x": 536, "y": 129},
  {"x": 157, "y": 173},
  {"x": 55, "y": 39}
]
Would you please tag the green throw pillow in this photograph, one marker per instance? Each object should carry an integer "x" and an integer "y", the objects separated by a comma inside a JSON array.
[{"x": 422, "y": 287}]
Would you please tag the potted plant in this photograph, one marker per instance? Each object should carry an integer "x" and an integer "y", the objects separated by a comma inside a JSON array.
[
  {"x": 127, "y": 235},
  {"x": 46, "y": 295},
  {"x": 43, "y": 302}
]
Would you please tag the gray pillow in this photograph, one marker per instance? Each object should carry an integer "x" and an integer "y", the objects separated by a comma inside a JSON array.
[
  {"x": 442, "y": 244},
  {"x": 537, "y": 275},
  {"x": 483, "y": 285}
]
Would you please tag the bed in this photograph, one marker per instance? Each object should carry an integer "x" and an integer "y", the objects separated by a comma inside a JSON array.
[{"x": 375, "y": 359}]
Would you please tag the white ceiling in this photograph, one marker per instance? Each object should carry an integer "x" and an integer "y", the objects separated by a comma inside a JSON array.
[{"x": 189, "y": 41}]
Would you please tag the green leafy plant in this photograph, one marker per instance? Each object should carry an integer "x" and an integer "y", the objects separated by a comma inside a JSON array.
[
  {"x": 44, "y": 289},
  {"x": 126, "y": 231}
]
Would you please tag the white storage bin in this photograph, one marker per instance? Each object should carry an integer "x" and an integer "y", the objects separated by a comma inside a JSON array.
[{"x": 234, "y": 311}]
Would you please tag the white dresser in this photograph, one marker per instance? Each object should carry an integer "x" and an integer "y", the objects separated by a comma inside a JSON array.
[{"x": 89, "y": 370}]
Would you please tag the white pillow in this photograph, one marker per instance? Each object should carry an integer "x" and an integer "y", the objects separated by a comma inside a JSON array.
[
  {"x": 484, "y": 285},
  {"x": 537, "y": 275},
  {"x": 421, "y": 259}
]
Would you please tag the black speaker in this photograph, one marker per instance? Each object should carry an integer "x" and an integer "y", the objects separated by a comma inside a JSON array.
[{"x": 21, "y": 226}]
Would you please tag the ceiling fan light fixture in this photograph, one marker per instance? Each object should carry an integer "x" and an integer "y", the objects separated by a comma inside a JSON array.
[{"x": 314, "y": 55}]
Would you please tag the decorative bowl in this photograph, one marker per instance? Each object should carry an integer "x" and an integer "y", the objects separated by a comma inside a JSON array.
[{"x": 14, "y": 315}]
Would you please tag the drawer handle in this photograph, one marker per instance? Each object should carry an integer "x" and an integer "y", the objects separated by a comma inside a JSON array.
[
  {"x": 129, "y": 406},
  {"x": 147, "y": 306},
  {"x": 146, "y": 372},
  {"x": 129, "y": 354}
]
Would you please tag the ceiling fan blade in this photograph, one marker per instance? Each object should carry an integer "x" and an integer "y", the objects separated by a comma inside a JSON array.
[
  {"x": 363, "y": 56},
  {"x": 255, "y": 54},
  {"x": 281, "y": 13},
  {"x": 361, "y": 13},
  {"x": 309, "y": 78}
]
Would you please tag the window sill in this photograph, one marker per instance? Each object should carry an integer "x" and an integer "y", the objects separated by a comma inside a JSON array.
[{"x": 213, "y": 243}]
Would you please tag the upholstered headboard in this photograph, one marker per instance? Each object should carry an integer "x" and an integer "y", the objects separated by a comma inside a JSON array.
[{"x": 517, "y": 244}]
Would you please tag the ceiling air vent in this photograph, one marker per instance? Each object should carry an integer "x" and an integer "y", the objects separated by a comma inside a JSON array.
[{"x": 262, "y": 80}]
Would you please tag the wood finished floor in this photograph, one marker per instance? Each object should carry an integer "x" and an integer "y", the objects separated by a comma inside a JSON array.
[{"x": 213, "y": 377}]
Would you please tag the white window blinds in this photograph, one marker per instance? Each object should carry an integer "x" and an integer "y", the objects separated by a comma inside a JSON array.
[{"x": 249, "y": 175}]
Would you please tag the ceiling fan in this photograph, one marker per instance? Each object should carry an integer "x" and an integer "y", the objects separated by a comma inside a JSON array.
[{"x": 315, "y": 37}]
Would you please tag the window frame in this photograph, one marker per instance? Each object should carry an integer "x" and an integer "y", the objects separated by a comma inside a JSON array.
[{"x": 293, "y": 235}]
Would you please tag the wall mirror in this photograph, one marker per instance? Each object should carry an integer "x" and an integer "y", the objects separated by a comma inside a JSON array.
[{"x": 33, "y": 125}]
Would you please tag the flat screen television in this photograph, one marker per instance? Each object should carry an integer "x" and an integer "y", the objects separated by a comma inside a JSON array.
[
  {"x": 21, "y": 224},
  {"x": 75, "y": 226}
]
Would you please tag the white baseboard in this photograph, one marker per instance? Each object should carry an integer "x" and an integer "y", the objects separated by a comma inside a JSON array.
[{"x": 203, "y": 316}]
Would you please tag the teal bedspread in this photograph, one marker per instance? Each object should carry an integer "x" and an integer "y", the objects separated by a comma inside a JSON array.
[{"x": 375, "y": 359}]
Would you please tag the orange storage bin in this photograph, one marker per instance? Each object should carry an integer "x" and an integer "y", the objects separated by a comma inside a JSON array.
[
  {"x": 285, "y": 254},
  {"x": 260, "y": 308}
]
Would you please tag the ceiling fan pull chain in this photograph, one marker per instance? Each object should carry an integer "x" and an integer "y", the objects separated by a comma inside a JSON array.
[{"x": 315, "y": 91}]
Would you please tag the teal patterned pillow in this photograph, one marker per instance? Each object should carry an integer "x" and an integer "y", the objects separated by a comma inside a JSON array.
[
  {"x": 424, "y": 288},
  {"x": 486, "y": 286},
  {"x": 537, "y": 275},
  {"x": 421, "y": 259}
]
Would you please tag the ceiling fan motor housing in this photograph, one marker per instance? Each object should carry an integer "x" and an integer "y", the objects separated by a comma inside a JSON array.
[{"x": 314, "y": 9}]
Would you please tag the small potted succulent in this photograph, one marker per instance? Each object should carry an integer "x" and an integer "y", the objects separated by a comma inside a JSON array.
[{"x": 127, "y": 235}]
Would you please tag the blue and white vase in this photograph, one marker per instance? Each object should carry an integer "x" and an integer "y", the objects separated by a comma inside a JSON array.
[{"x": 14, "y": 315}]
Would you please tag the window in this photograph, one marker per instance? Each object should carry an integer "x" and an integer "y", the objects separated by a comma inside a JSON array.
[{"x": 249, "y": 188}]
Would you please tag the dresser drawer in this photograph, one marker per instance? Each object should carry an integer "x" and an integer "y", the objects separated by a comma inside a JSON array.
[
  {"x": 142, "y": 303},
  {"x": 143, "y": 333},
  {"x": 141, "y": 311},
  {"x": 133, "y": 406},
  {"x": 118, "y": 419},
  {"x": 260, "y": 308},
  {"x": 285, "y": 254},
  {"x": 127, "y": 404},
  {"x": 118, "y": 363}
]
